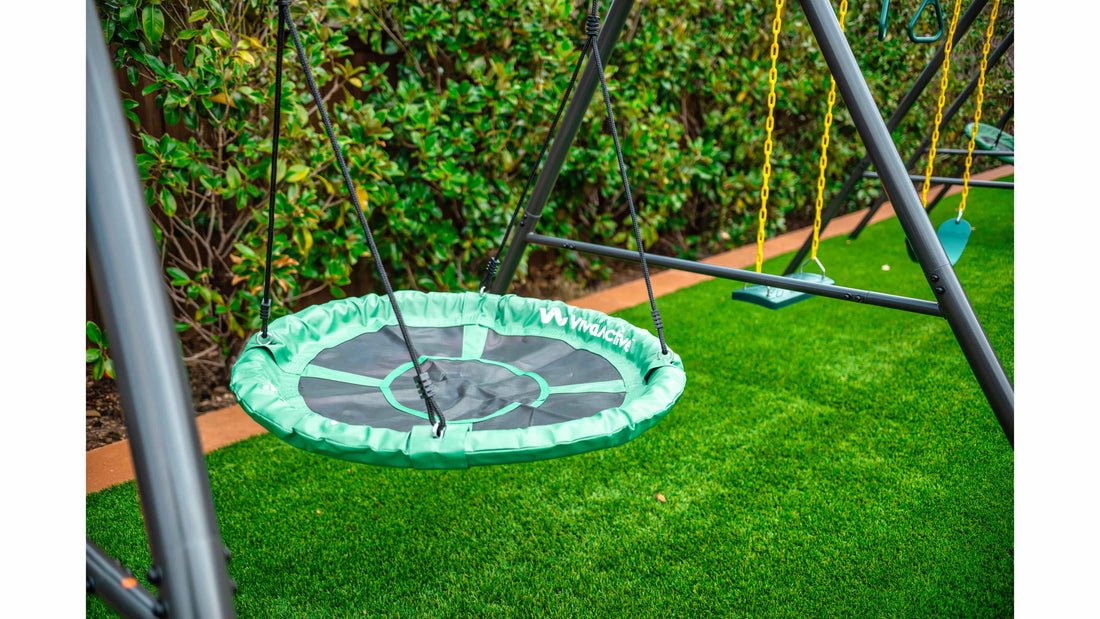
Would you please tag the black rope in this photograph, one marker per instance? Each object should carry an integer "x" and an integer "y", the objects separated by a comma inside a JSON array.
[
  {"x": 265, "y": 304},
  {"x": 593, "y": 30},
  {"x": 494, "y": 262},
  {"x": 423, "y": 382},
  {"x": 1001, "y": 126}
]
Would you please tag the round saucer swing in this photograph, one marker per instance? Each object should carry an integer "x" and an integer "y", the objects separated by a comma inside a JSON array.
[{"x": 452, "y": 380}]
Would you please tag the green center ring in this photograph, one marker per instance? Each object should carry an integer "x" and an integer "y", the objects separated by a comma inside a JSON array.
[{"x": 544, "y": 388}]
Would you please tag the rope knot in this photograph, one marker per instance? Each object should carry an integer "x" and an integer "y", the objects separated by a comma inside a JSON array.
[
  {"x": 592, "y": 25},
  {"x": 657, "y": 320}
]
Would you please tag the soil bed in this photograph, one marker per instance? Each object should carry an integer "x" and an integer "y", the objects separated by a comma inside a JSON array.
[{"x": 103, "y": 418}]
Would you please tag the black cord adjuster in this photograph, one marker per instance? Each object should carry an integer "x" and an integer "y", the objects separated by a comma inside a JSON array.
[
  {"x": 424, "y": 387},
  {"x": 265, "y": 315},
  {"x": 490, "y": 274},
  {"x": 592, "y": 25}
]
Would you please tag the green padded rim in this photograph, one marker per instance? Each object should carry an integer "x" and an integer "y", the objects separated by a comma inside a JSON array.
[
  {"x": 265, "y": 379},
  {"x": 987, "y": 137}
]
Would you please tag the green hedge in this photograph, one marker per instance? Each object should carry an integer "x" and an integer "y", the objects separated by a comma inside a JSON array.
[{"x": 441, "y": 110}]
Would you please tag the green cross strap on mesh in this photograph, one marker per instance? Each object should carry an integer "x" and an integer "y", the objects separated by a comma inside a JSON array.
[{"x": 519, "y": 380}]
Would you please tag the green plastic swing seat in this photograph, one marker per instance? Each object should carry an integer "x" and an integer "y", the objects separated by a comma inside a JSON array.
[
  {"x": 778, "y": 298},
  {"x": 953, "y": 236},
  {"x": 518, "y": 380},
  {"x": 987, "y": 139}
]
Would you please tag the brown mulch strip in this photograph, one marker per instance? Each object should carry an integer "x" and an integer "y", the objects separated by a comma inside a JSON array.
[{"x": 103, "y": 420}]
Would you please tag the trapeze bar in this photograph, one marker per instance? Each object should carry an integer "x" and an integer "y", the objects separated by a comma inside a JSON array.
[
  {"x": 947, "y": 180},
  {"x": 866, "y": 297},
  {"x": 977, "y": 151}
]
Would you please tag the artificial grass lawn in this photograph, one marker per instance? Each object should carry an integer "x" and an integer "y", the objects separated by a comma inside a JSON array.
[{"x": 827, "y": 459}]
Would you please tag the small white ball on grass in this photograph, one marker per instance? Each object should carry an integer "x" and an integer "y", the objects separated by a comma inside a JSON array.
[{"x": 885, "y": 267}]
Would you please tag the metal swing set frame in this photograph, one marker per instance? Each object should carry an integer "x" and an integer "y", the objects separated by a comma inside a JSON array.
[
  {"x": 188, "y": 555},
  {"x": 951, "y": 301}
]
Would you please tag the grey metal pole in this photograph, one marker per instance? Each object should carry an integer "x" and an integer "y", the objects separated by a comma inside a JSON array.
[
  {"x": 950, "y": 180},
  {"x": 918, "y": 228},
  {"x": 926, "y": 143},
  {"x": 109, "y": 580},
  {"x": 855, "y": 295},
  {"x": 915, "y": 91},
  {"x": 184, "y": 541},
  {"x": 1001, "y": 122},
  {"x": 567, "y": 131},
  {"x": 977, "y": 152}
]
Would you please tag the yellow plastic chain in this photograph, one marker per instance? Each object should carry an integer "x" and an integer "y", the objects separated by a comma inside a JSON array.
[
  {"x": 977, "y": 109},
  {"x": 777, "y": 25},
  {"x": 824, "y": 161},
  {"x": 944, "y": 76}
]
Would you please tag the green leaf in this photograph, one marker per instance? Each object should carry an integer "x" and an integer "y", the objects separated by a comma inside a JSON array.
[
  {"x": 297, "y": 173},
  {"x": 150, "y": 88},
  {"x": 152, "y": 22},
  {"x": 178, "y": 276},
  {"x": 94, "y": 333},
  {"x": 109, "y": 367},
  {"x": 246, "y": 251},
  {"x": 90, "y": 355},
  {"x": 181, "y": 327},
  {"x": 169, "y": 202},
  {"x": 149, "y": 143},
  {"x": 186, "y": 35},
  {"x": 221, "y": 38},
  {"x": 97, "y": 369},
  {"x": 232, "y": 177},
  {"x": 171, "y": 115},
  {"x": 197, "y": 15}
]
